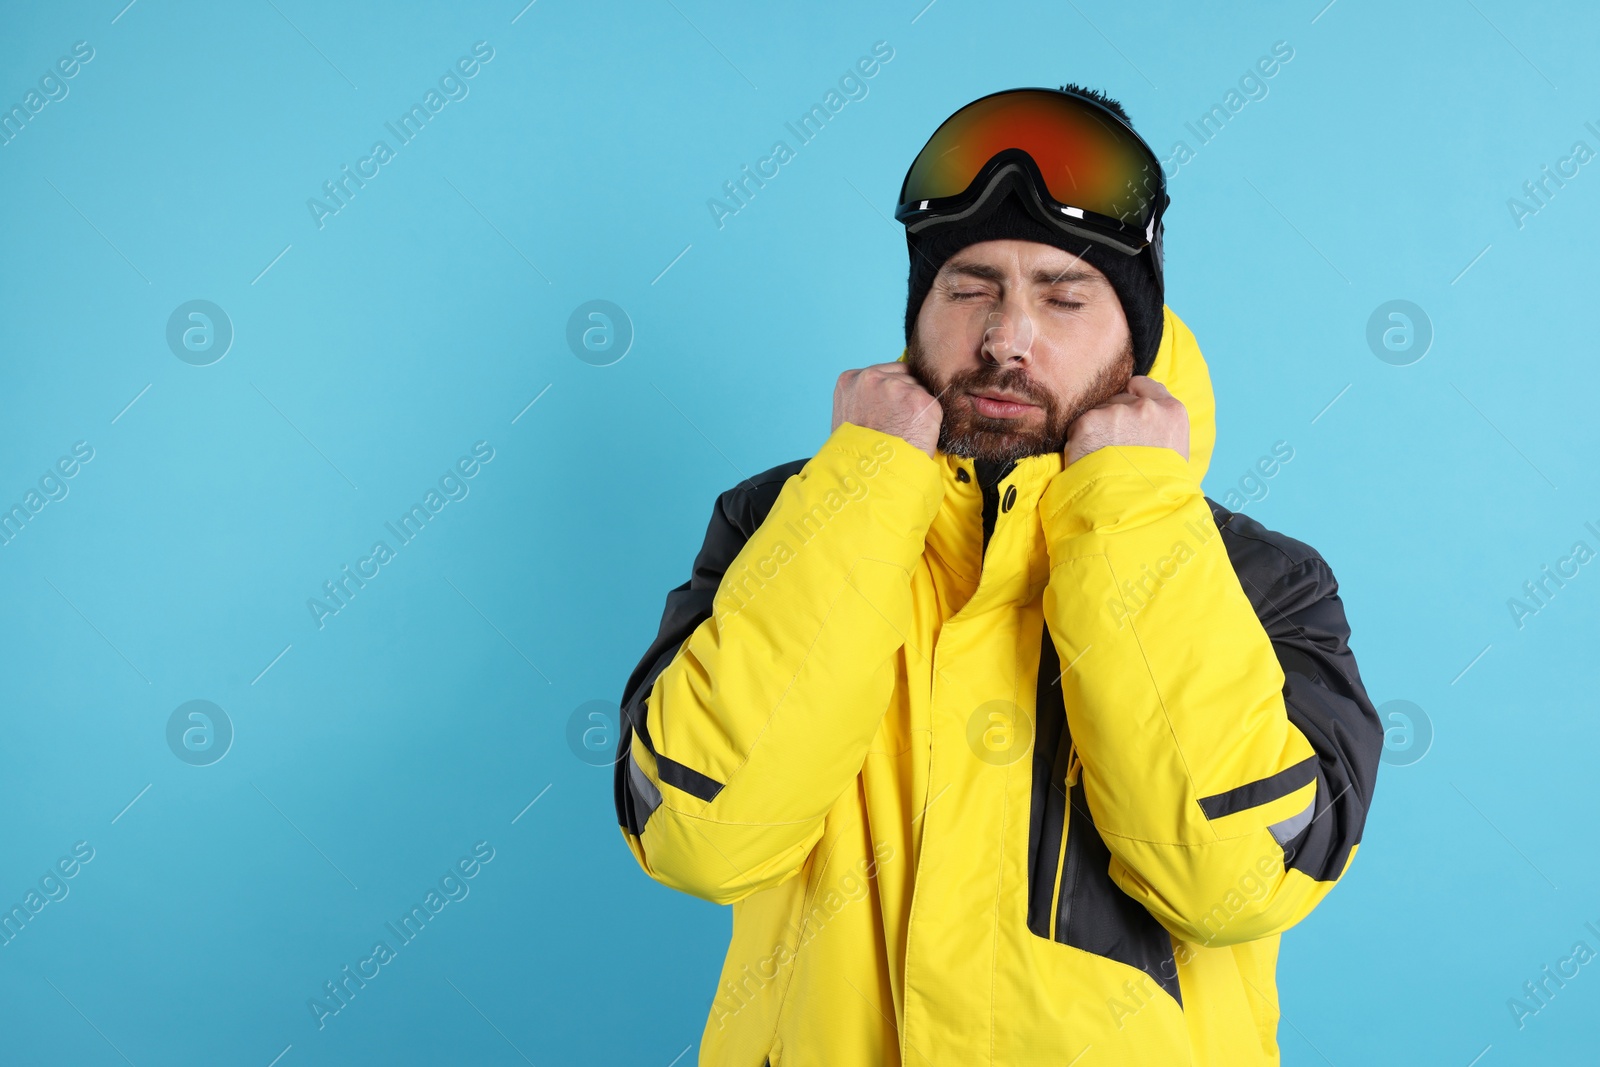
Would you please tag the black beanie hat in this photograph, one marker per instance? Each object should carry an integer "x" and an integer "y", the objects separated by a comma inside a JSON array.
[{"x": 1136, "y": 279}]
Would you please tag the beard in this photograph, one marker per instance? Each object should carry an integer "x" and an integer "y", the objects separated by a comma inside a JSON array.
[{"x": 966, "y": 432}]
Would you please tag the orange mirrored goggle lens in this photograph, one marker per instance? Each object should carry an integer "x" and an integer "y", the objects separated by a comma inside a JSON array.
[{"x": 1088, "y": 159}]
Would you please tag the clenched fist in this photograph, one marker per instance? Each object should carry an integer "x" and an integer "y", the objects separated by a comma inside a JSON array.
[
  {"x": 887, "y": 397},
  {"x": 1147, "y": 414}
]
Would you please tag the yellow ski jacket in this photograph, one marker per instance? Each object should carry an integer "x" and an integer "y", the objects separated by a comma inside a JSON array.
[{"x": 1017, "y": 774}]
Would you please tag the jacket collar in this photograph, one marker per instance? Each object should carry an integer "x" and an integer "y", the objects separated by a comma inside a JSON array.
[{"x": 1015, "y": 564}]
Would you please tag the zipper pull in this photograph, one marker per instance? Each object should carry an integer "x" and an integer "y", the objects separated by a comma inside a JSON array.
[{"x": 1074, "y": 766}]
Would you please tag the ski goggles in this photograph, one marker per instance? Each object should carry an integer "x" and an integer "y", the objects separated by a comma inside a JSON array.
[{"x": 1084, "y": 169}]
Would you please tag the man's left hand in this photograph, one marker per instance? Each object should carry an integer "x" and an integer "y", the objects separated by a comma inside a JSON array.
[{"x": 1146, "y": 414}]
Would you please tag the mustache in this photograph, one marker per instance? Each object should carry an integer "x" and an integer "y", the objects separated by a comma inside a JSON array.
[
  {"x": 1016, "y": 383},
  {"x": 1102, "y": 386}
]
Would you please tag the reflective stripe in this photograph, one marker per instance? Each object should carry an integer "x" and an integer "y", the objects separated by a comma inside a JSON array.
[
  {"x": 675, "y": 774},
  {"x": 643, "y": 788},
  {"x": 1261, "y": 791},
  {"x": 1285, "y": 831}
]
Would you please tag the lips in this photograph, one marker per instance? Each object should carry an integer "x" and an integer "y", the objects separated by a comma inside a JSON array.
[{"x": 1000, "y": 405}]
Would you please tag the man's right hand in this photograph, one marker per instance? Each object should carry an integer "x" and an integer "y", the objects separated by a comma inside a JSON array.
[{"x": 887, "y": 397}]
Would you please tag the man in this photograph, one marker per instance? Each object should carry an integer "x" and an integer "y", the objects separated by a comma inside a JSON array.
[{"x": 1007, "y": 745}]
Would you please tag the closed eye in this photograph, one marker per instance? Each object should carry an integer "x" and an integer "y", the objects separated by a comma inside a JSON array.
[{"x": 1052, "y": 300}]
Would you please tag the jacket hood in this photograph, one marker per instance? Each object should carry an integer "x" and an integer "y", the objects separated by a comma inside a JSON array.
[{"x": 1182, "y": 369}]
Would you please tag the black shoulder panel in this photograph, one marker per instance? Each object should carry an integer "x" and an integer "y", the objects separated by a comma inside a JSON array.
[
  {"x": 1296, "y": 597},
  {"x": 737, "y": 514}
]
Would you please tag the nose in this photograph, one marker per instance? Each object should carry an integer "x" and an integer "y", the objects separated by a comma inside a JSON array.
[{"x": 1008, "y": 335}]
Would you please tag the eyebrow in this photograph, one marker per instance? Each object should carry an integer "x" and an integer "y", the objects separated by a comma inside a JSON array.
[{"x": 1041, "y": 276}]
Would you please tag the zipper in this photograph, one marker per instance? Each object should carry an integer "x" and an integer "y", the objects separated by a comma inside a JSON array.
[
  {"x": 1069, "y": 873},
  {"x": 1074, "y": 771}
]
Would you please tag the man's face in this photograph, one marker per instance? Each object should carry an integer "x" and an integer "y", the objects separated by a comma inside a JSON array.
[{"x": 1022, "y": 320}]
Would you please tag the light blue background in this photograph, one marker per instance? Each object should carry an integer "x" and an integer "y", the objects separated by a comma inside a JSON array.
[{"x": 425, "y": 316}]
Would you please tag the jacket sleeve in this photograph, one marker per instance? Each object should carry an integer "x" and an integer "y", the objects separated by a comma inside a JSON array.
[
  {"x": 1228, "y": 748},
  {"x": 753, "y": 710}
]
